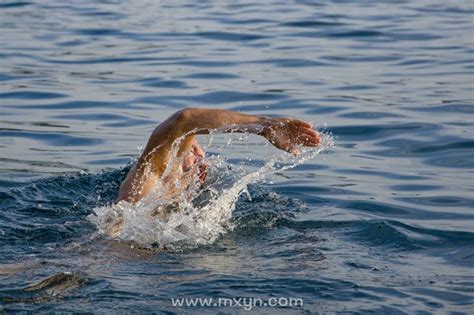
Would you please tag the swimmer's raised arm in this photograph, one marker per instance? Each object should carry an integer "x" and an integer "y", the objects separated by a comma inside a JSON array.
[{"x": 284, "y": 133}]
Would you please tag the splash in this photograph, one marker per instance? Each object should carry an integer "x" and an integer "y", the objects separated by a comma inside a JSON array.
[{"x": 199, "y": 214}]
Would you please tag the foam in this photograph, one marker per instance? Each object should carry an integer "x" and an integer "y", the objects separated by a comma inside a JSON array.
[{"x": 196, "y": 215}]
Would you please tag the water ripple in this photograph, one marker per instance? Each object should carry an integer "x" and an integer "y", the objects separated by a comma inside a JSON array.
[
  {"x": 381, "y": 223},
  {"x": 30, "y": 95}
]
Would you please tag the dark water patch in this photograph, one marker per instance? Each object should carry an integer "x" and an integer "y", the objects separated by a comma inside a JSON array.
[
  {"x": 347, "y": 98},
  {"x": 415, "y": 62},
  {"x": 313, "y": 191},
  {"x": 31, "y": 95},
  {"x": 89, "y": 186},
  {"x": 16, "y": 4},
  {"x": 451, "y": 108},
  {"x": 311, "y": 23},
  {"x": 37, "y": 123},
  {"x": 413, "y": 36},
  {"x": 8, "y": 184},
  {"x": 415, "y": 187},
  {"x": 50, "y": 138},
  {"x": 358, "y": 265},
  {"x": 228, "y": 36},
  {"x": 51, "y": 211},
  {"x": 19, "y": 52},
  {"x": 100, "y": 13},
  {"x": 315, "y": 224},
  {"x": 208, "y": 63},
  {"x": 361, "y": 36},
  {"x": 290, "y": 63},
  {"x": 71, "y": 43},
  {"x": 445, "y": 295},
  {"x": 46, "y": 164},
  {"x": 91, "y": 116},
  {"x": 361, "y": 58},
  {"x": 382, "y": 209},
  {"x": 385, "y": 233},
  {"x": 108, "y": 162},
  {"x": 447, "y": 146},
  {"x": 77, "y": 105},
  {"x": 112, "y": 294},
  {"x": 130, "y": 122},
  {"x": 105, "y": 60},
  {"x": 371, "y": 35},
  {"x": 440, "y": 201},
  {"x": 211, "y": 75},
  {"x": 253, "y": 224},
  {"x": 369, "y": 115},
  {"x": 454, "y": 160},
  {"x": 52, "y": 288},
  {"x": 263, "y": 210},
  {"x": 446, "y": 153},
  {"x": 321, "y": 109},
  {"x": 160, "y": 83},
  {"x": 246, "y": 21},
  {"x": 274, "y": 91},
  {"x": 406, "y": 237},
  {"x": 380, "y": 131},
  {"x": 8, "y": 77},
  {"x": 99, "y": 32},
  {"x": 356, "y": 34},
  {"x": 355, "y": 87},
  {"x": 444, "y": 10}
]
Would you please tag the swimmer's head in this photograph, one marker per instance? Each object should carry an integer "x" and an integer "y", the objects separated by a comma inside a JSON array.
[{"x": 193, "y": 161}]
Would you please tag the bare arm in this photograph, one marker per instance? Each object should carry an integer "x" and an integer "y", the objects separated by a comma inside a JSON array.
[{"x": 284, "y": 133}]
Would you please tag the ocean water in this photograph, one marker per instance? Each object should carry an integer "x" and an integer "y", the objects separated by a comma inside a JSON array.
[{"x": 379, "y": 219}]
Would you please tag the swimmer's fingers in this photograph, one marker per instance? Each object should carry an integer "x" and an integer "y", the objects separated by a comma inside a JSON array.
[
  {"x": 301, "y": 123},
  {"x": 286, "y": 134},
  {"x": 309, "y": 138}
]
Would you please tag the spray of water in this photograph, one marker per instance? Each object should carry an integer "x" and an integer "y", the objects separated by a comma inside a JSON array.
[{"x": 196, "y": 214}]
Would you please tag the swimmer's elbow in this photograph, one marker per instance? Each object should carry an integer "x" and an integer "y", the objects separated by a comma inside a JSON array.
[
  {"x": 187, "y": 119},
  {"x": 186, "y": 114}
]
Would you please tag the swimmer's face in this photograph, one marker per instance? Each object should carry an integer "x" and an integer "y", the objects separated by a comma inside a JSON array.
[{"x": 194, "y": 162}]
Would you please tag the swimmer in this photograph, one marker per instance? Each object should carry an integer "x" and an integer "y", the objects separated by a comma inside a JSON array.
[{"x": 284, "y": 133}]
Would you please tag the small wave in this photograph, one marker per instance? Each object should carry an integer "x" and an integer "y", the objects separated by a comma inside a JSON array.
[
  {"x": 387, "y": 233},
  {"x": 51, "y": 288}
]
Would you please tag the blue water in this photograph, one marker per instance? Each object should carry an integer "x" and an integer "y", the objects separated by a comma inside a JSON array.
[{"x": 382, "y": 222}]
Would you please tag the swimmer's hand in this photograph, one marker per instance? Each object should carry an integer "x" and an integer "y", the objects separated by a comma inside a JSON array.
[{"x": 287, "y": 134}]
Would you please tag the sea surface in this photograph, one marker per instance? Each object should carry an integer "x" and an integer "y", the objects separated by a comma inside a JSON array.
[{"x": 379, "y": 219}]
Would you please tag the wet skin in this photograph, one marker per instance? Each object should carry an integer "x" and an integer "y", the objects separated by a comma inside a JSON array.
[{"x": 284, "y": 133}]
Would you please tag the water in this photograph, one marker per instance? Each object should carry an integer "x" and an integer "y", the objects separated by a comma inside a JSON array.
[{"x": 381, "y": 222}]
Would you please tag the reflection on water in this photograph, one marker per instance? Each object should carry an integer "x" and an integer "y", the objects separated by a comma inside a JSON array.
[{"x": 382, "y": 223}]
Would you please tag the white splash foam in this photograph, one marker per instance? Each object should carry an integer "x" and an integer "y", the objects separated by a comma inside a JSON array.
[{"x": 195, "y": 216}]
